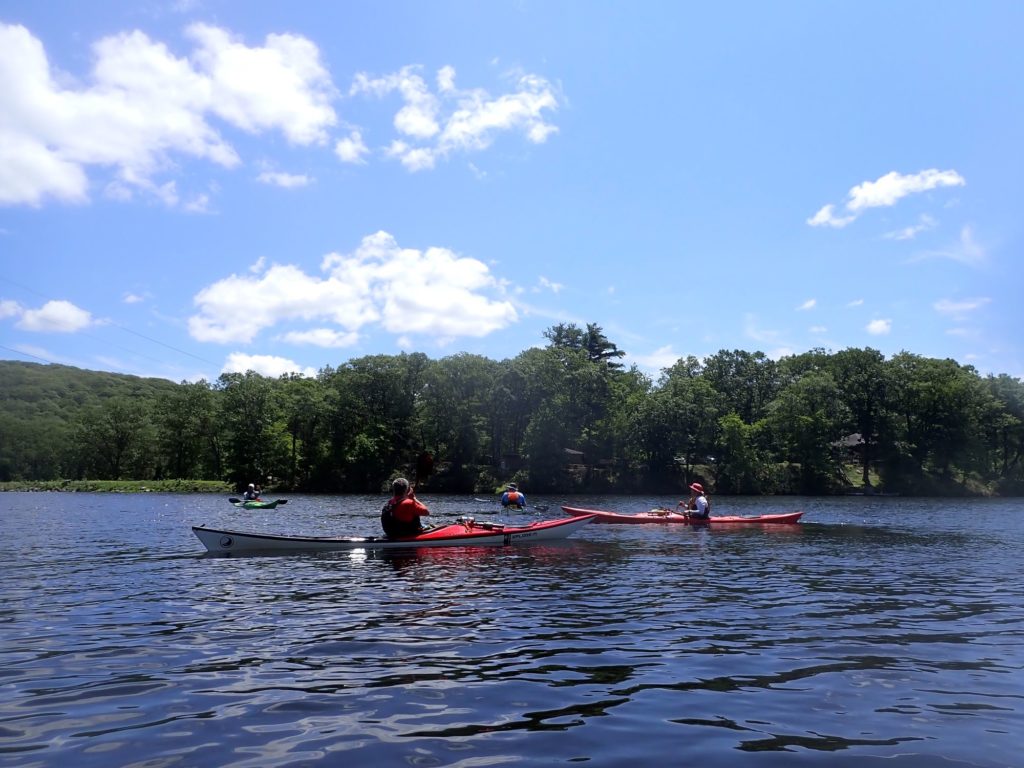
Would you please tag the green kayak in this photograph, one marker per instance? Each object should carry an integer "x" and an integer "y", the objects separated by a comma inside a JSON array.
[{"x": 258, "y": 504}]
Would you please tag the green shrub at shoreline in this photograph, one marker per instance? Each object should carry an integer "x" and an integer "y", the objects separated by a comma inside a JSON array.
[{"x": 121, "y": 486}]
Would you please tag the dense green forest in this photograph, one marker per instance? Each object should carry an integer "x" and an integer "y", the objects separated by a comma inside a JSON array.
[{"x": 568, "y": 417}]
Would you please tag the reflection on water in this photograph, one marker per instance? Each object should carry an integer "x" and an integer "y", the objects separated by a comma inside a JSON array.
[{"x": 877, "y": 630}]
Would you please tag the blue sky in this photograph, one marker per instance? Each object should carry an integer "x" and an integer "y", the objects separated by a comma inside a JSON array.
[{"x": 188, "y": 188}]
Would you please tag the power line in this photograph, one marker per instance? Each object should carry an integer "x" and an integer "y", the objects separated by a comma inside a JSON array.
[
  {"x": 118, "y": 326},
  {"x": 162, "y": 344},
  {"x": 28, "y": 354}
]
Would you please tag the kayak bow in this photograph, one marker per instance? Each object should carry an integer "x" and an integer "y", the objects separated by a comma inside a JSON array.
[
  {"x": 467, "y": 533},
  {"x": 666, "y": 516}
]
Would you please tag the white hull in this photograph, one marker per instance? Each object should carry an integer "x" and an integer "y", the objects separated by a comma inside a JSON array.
[{"x": 474, "y": 535}]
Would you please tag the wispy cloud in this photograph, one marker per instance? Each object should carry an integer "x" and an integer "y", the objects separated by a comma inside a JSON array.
[
  {"x": 925, "y": 223},
  {"x": 809, "y": 304},
  {"x": 656, "y": 361},
  {"x": 776, "y": 346},
  {"x": 960, "y": 309},
  {"x": 286, "y": 180},
  {"x": 434, "y": 125},
  {"x": 885, "y": 191},
  {"x": 544, "y": 284},
  {"x": 965, "y": 251}
]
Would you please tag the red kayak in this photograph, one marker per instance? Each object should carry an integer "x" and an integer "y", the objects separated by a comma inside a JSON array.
[{"x": 667, "y": 516}]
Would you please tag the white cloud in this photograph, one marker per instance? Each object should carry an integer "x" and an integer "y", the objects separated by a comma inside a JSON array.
[
  {"x": 885, "y": 191},
  {"x": 818, "y": 329},
  {"x": 134, "y": 298},
  {"x": 879, "y": 327},
  {"x": 889, "y": 189},
  {"x": 352, "y": 149},
  {"x": 960, "y": 308},
  {"x": 9, "y": 308},
  {"x": 434, "y": 126},
  {"x": 142, "y": 105},
  {"x": 286, "y": 180},
  {"x": 406, "y": 291},
  {"x": 413, "y": 158},
  {"x": 925, "y": 223},
  {"x": 281, "y": 85},
  {"x": 809, "y": 304},
  {"x": 446, "y": 79},
  {"x": 55, "y": 317},
  {"x": 266, "y": 365},
  {"x": 321, "y": 337},
  {"x": 856, "y": 303},
  {"x": 418, "y": 117}
]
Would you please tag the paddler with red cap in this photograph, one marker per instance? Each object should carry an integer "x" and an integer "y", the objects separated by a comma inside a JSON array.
[{"x": 697, "y": 506}]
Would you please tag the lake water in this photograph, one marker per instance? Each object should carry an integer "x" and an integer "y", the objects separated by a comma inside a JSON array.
[{"x": 879, "y": 632}]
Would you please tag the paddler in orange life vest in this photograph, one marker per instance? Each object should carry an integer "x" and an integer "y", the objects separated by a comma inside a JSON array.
[
  {"x": 513, "y": 497},
  {"x": 401, "y": 514},
  {"x": 697, "y": 506}
]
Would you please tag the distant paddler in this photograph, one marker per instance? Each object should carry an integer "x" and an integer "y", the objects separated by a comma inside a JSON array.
[{"x": 513, "y": 498}]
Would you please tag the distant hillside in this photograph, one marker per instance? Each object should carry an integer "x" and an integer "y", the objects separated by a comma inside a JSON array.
[{"x": 39, "y": 404}]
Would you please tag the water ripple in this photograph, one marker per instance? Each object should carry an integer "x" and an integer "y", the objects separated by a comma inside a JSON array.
[{"x": 862, "y": 635}]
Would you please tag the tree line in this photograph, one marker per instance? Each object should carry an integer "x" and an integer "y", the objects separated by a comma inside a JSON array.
[{"x": 567, "y": 417}]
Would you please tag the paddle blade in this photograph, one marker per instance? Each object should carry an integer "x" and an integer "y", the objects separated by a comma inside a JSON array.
[
  {"x": 234, "y": 501},
  {"x": 282, "y": 501}
]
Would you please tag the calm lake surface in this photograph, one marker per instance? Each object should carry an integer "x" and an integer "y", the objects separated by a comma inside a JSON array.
[{"x": 879, "y": 632}]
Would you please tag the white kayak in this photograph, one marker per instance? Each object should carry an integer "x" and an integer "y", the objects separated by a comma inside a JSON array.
[{"x": 465, "y": 533}]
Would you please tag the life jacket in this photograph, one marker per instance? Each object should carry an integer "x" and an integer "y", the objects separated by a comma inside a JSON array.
[
  {"x": 707, "y": 509},
  {"x": 514, "y": 499},
  {"x": 393, "y": 527}
]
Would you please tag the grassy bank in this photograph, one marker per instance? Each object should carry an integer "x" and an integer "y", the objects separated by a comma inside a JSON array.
[{"x": 121, "y": 486}]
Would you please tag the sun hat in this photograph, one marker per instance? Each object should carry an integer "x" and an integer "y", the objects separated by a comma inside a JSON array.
[{"x": 697, "y": 487}]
